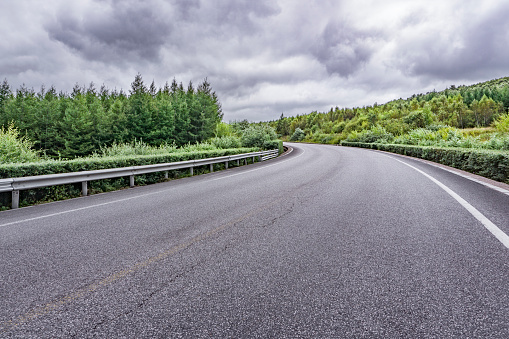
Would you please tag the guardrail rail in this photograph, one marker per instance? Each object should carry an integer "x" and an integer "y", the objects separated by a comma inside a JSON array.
[{"x": 15, "y": 185}]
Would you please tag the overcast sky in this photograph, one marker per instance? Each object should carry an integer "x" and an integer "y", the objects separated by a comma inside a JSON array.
[{"x": 262, "y": 57}]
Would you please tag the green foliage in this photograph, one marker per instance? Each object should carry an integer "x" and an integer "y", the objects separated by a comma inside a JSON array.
[
  {"x": 190, "y": 152},
  {"x": 502, "y": 123},
  {"x": 223, "y": 130},
  {"x": 420, "y": 118},
  {"x": 283, "y": 126},
  {"x": 239, "y": 126},
  {"x": 298, "y": 135},
  {"x": 226, "y": 142},
  {"x": 461, "y": 107},
  {"x": 258, "y": 136},
  {"x": 490, "y": 164},
  {"x": 374, "y": 134},
  {"x": 443, "y": 136},
  {"x": 273, "y": 144},
  {"x": 80, "y": 123},
  {"x": 136, "y": 147},
  {"x": 15, "y": 148}
]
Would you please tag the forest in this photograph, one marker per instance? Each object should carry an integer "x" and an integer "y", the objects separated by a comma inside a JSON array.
[
  {"x": 464, "y": 115},
  {"x": 65, "y": 126}
]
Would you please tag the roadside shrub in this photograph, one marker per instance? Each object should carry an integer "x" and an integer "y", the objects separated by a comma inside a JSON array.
[
  {"x": 488, "y": 163},
  {"x": 395, "y": 126},
  {"x": 502, "y": 123},
  {"x": 199, "y": 147},
  {"x": 436, "y": 127},
  {"x": 257, "y": 135},
  {"x": 223, "y": 130},
  {"x": 274, "y": 144},
  {"x": 298, "y": 135},
  {"x": 418, "y": 136},
  {"x": 374, "y": 134},
  {"x": 29, "y": 197},
  {"x": 95, "y": 163},
  {"x": 496, "y": 142},
  {"x": 226, "y": 142},
  {"x": 137, "y": 147},
  {"x": 15, "y": 148},
  {"x": 356, "y": 124},
  {"x": 420, "y": 118},
  {"x": 339, "y": 127}
]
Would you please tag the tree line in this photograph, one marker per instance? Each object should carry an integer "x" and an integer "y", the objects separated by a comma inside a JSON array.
[
  {"x": 67, "y": 125},
  {"x": 461, "y": 107}
]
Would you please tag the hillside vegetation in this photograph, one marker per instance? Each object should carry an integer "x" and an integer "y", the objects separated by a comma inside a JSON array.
[{"x": 466, "y": 116}]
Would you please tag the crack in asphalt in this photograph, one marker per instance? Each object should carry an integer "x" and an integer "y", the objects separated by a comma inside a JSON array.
[
  {"x": 219, "y": 251},
  {"x": 59, "y": 302}
]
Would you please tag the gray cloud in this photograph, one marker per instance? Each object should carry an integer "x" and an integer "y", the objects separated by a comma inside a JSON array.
[
  {"x": 241, "y": 15},
  {"x": 121, "y": 31},
  {"x": 262, "y": 57},
  {"x": 13, "y": 65},
  {"x": 343, "y": 49},
  {"x": 479, "y": 45}
]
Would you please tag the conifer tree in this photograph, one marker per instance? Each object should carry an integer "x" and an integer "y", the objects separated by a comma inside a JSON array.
[{"x": 139, "y": 119}]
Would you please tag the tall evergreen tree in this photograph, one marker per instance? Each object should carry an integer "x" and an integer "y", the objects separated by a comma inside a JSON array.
[
  {"x": 5, "y": 96},
  {"x": 78, "y": 129},
  {"x": 139, "y": 116}
]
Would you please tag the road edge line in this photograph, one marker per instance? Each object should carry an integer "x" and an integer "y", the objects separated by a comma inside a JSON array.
[{"x": 488, "y": 224}]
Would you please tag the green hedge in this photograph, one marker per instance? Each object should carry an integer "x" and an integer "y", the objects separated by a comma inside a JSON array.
[
  {"x": 487, "y": 163},
  {"x": 60, "y": 192},
  {"x": 274, "y": 144}
]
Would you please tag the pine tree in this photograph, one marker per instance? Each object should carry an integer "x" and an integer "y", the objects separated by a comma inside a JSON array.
[
  {"x": 5, "y": 96},
  {"x": 139, "y": 116},
  {"x": 78, "y": 129}
]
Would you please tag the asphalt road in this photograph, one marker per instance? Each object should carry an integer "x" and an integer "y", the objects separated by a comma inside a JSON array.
[{"x": 327, "y": 242}]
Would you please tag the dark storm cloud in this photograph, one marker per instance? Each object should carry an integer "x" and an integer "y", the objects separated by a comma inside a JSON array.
[
  {"x": 12, "y": 65},
  {"x": 342, "y": 49},
  {"x": 480, "y": 46},
  {"x": 115, "y": 31},
  {"x": 241, "y": 15},
  {"x": 126, "y": 31},
  {"x": 262, "y": 57}
]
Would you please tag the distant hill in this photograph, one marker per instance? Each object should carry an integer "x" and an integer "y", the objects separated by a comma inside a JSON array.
[{"x": 461, "y": 106}]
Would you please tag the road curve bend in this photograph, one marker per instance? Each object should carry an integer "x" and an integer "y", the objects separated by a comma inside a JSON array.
[{"x": 326, "y": 241}]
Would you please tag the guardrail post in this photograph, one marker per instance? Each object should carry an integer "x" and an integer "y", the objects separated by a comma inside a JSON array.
[
  {"x": 254, "y": 160},
  {"x": 212, "y": 167},
  {"x": 166, "y": 174},
  {"x": 15, "y": 199},
  {"x": 191, "y": 171},
  {"x": 131, "y": 181},
  {"x": 84, "y": 188},
  {"x": 226, "y": 165},
  {"x": 238, "y": 162}
]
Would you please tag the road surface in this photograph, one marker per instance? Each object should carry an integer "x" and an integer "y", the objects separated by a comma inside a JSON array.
[{"x": 326, "y": 241}]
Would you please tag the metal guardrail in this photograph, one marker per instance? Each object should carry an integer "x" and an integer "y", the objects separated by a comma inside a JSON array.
[{"x": 15, "y": 185}]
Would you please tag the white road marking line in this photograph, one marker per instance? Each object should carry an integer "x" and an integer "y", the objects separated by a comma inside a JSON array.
[
  {"x": 256, "y": 169},
  {"x": 497, "y": 232},
  {"x": 79, "y": 209},
  {"x": 466, "y": 176},
  {"x": 134, "y": 197}
]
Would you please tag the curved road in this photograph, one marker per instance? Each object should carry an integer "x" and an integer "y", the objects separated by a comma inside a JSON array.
[{"x": 326, "y": 242}]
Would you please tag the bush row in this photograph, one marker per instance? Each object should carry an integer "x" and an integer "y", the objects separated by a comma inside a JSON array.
[
  {"x": 61, "y": 192},
  {"x": 89, "y": 164},
  {"x": 487, "y": 163}
]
